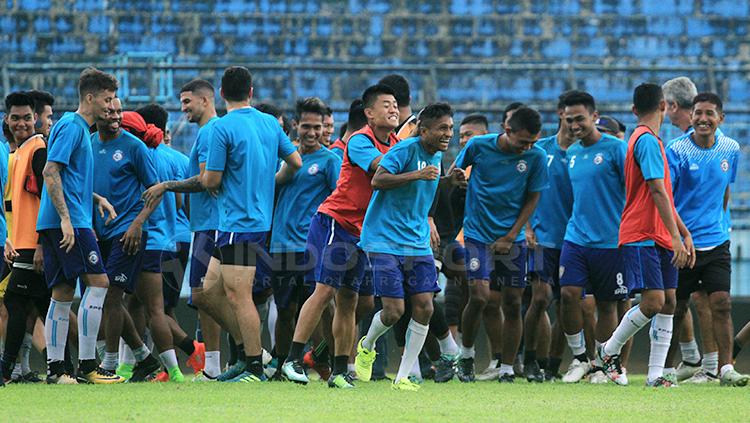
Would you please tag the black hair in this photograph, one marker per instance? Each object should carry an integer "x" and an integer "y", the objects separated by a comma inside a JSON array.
[
  {"x": 400, "y": 87},
  {"x": 155, "y": 115},
  {"x": 476, "y": 118},
  {"x": 526, "y": 118},
  {"x": 357, "y": 119},
  {"x": 41, "y": 99},
  {"x": 236, "y": 83},
  {"x": 93, "y": 81},
  {"x": 709, "y": 98},
  {"x": 509, "y": 108},
  {"x": 580, "y": 98},
  {"x": 646, "y": 98},
  {"x": 342, "y": 130},
  {"x": 269, "y": 109},
  {"x": 561, "y": 99},
  {"x": 329, "y": 110},
  {"x": 433, "y": 112},
  {"x": 7, "y": 133},
  {"x": 371, "y": 94},
  {"x": 310, "y": 105},
  {"x": 198, "y": 85},
  {"x": 18, "y": 99}
]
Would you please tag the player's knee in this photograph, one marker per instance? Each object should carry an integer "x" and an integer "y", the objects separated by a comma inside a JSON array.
[
  {"x": 569, "y": 297},
  {"x": 540, "y": 302},
  {"x": 721, "y": 305},
  {"x": 478, "y": 301},
  {"x": 391, "y": 313},
  {"x": 512, "y": 307}
]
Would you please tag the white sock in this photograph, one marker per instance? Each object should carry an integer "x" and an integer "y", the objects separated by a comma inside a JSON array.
[
  {"x": 726, "y": 368},
  {"x": 56, "y": 329},
  {"x": 17, "y": 373},
  {"x": 169, "y": 359},
  {"x": 213, "y": 364},
  {"x": 126, "y": 354},
  {"x": 661, "y": 336},
  {"x": 110, "y": 361},
  {"x": 148, "y": 339},
  {"x": 690, "y": 352},
  {"x": 26, "y": 352},
  {"x": 416, "y": 370},
  {"x": 273, "y": 315},
  {"x": 377, "y": 329},
  {"x": 141, "y": 353},
  {"x": 101, "y": 348},
  {"x": 597, "y": 360},
  {"x": 631, "y": 323},
  {"x": 89, "y": 319},
  {"x": 448, "y": 345},
  {"x": 711, "y": 362},
  {"x": 577, "y": 343},
  {"x": 468, "y": 352},
  {"x": 416, "y": 333},
  {"x": 506, "y": 369}
]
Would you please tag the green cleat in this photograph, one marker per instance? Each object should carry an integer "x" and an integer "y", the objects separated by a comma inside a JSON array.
[
  {"x": 248, "y": 377},
  {"x": 175, "y": 375},
  {"x": 404, "y": 384},
  {"x": 339, "y": 381},
  {"x": 734, "y": 378},
  {"x": 232, "y": 372},
  {"x": 363, "y": 362},
  {"x": 125, "y": 370}
]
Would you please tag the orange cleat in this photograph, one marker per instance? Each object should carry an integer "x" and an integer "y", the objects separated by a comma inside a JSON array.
[
  {"x": 161, "y": 377},
  {"x": 197, "y": 360}
]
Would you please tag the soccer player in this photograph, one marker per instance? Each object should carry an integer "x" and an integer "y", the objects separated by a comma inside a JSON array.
[
  {"x": 124, "y": 168},
  {"x": 653, "y": 240},
  {"x": 396, "y": 237},
  {"x": 356, "y": 121},
  {"x": 240, "y": 171},
  {"x": 197, "y": 102},
  {"x": 611, "y": 126},
  {"x": 590, "y": 261},
  {"x": 43, "y": 102},
  {"x": 334, "y": 234},
  {"x": 328, "y": 128},
  {"x": 702, "y": 165},
  {"x": 679, "y": 93},
  {"x": 407, "y": 120},
  {"x": 65, "y": 229},
  {"x": 507, "y": 176},
  {"x": 298, "y": 199},
  {"x": 546, "y": 232}
]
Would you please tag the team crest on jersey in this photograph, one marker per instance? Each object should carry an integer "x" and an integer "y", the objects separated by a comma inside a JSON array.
[
  {"x": 117, "y": 156},
  {"x": 599, "y": 158},
  {"x": 694, "y": 166},
  {"x": 521, "y": 166},
  {"x": 474, "y": 264},
  {"x": 313, "y": 169},
  {"x": 725, "y": 165},
  {"x": 93, "y": 257}
]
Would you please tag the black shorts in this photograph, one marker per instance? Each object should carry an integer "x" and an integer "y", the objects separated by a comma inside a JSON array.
[
  {"x": 23, "y": 280},
  {"x": 173, "y": 272},
  {"x": 288, "y": 278},
  {"x": 712, "y": 273},
  {"x": 454, "y": 301}
]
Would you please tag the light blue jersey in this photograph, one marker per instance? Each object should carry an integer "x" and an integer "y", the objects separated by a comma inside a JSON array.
[
  {"x": 123, "y": 168},
  {"x": 70, "y": 145},
  {"x": 299, "y": 198},
  {"x": 498, "y": 185},
  {"x": 598, "y": 180},
  {"x": 181, "y": 168},
  {"x": 163, "y": 221},
  {"x": 556, "y": 203},
  {"x": 700, "y": 177},
  {"x": 203, "y": 213},
  {"x": 396, "y": 219},
  {"x": 246, "y": 146}
]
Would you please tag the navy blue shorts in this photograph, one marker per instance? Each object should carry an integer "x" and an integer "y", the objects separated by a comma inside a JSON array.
[
  {"x": 599, "y": 271},
  {"x": 66, "y": 267},
  {"x": 649, "y": 268},
  {"x": 201, "y": 248},
  {"x": 400, "y": 276},
  {"x": 367, "y": 286},
  {"x": 122, "y": 269},
  {"x": 508, "y": 270},
  {"x": 241, "y": 248},
  {"x": 288, "y": 278},
  {"x": 337, "y": 259},
  {"x": 544, "y": 263},
  {"x": 153, "y": 259}
]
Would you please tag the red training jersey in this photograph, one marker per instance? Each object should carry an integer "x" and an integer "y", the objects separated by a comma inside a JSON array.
[
  {"x": 640, "y": 218},
  {"x": 337, "y": 144}
]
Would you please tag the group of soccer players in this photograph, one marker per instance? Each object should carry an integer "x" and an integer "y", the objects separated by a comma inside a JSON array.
[{"x": 315, "y": 239}]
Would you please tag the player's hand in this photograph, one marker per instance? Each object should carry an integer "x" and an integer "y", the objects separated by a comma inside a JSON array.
[
  {"x": 153, "y": 195},
  {"x": 106, "y": 210},
  {"x": 688, "y": 242},
  {"x": 458, "y": 177},
  {"x": 429, "y": 173},
  {"x": 434, "y": 235},
  {"x": 531, "y": 238},
  {"x": 68, "y": 235},
  {"x": 10, "y": 252},
  {"x": 38, "y": 259},
  {"x": 131, "y": 241},
  {"x": 680, "y": 258},
  {"x": 503, "y": 245}
]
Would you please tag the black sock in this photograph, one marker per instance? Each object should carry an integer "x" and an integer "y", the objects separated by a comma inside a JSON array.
[
  {"x": 499, "y": 358},
  {"x": 737, "y": 348},
  {"x": 254, "y": 364},
  {"x": 553, "y": 367},
  {"x": 56, "y": 368},
  {"x": 296, "y": 351},
  {"x": 340, "y": 364},
  {"x": 232, "y": 350},
  {"x": 529, "y": 356},
  {"x": 87, "y": 366},
  {"x": 186, "y": 345},
  {"x": 7, "y": 367},
  {"x": 68, "y": 361},
  {"x": 542, "y": 362},
  {"x": 273, "y": 353},
  {"x": 582, "y": 357},
  {"x": 321, "y": 353}
]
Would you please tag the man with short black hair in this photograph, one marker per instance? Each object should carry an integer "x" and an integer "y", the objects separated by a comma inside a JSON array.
[
  {"x": 43, "y": 102},
  {"x": 328, "y": 128},
  {"x": 407, "y": 119},
  {"x": 356, "y": 121}
]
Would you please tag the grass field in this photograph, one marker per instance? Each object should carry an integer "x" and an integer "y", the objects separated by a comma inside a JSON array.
[{"x": 375, "y": 401}]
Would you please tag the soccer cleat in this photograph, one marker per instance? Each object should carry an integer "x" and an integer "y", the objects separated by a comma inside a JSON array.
[
  {"x": 161, "y": 377},
  {"x": 552, "y": 377},
  {"x": 490, "y": 373},
  {"x": 445, "y": 368},
  {"x": 99, "y": 376},
  {"x": 233, "y": 371},
  {"x": 293, "y": 371},
  {"x": 734, "y": 378},
  {"x": 144, "y": 369},
  {"x": 576, "y": 371},
  {"x": 197, "y": 360},
  {"x": 687, "y": 370},
  {"x": 661, "y": 382},
  {"x": 63, "y": 379},
  {"x": 598, "y": 377},
  {"x": 339, "y": 381},
  {"x": 175, "y": 375},
  {"x": 404, "y": 384},
  {"x": 203, "y": 377},
  {"x": 465, "y": 370},
  {"x": 622, "y": 380},
  {"x": 518, "y": 365},
  {"x": 363, "y": 362},
  {"x": 125, "y": 370},
  {"x": 701, "y": 377},
  {"x": 533, "y": 373},
  {"x": 30, "y": 377},
  {"x": 507, "y": 378},
  {"x": 321, "y": 367},
  {"x": 611, "y": 364},
  {"x": 671, "y": 377},
  {"x": 248, "y": 377}
]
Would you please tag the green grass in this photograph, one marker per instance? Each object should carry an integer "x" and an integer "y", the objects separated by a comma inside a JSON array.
[{"x": 375, "y": 401}]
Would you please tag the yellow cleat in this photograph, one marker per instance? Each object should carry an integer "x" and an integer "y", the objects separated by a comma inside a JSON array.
[
  {"x": 100, "y": 376},
  {"x": 404, "y": 384},
  {"x": 363, "y": 362}
]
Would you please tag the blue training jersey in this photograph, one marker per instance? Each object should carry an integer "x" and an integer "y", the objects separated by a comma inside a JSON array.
[
  {"x": 498, "y": 185},
  {"x": 299, "y": 198},
  {"x": 203, "y": 214},
  {"x": 556, "y": 203},
  {"x": 700, "y": 177},
  {"x": 163, "y": 221},
  {"x": 123, "y": 169},
  {"x": 396, "y": 219},
  {"x": 181, "y": 167},
  {"x": 4, "y": 153},
  {"x": 597, "y": 175},
  {"x": 70, "y": 145},
  {"x": 246, "y": 146}
]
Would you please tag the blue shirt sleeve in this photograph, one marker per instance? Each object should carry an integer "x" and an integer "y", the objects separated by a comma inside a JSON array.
[
  {"x": 648, "y": 156},
  {"x": 63, "y": 146},
  {"x": 285, "y": 145},
  {"x": 735, "y": 163},
  {"x": 362, "y": 152},
  {"x": 144, "y": 166},
  {"x": 332, "y": 173},
  {"x": 217, "y": 150},
  {"x": 203, "y": 143},
  {"x": 466, "y": 156},
  {"x": 538, "y": 180},
  {"x": 395, "y": 160}
]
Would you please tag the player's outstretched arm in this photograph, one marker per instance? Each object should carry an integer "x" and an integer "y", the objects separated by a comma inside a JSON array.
[
  {"x": 292, "y": 163},
  {"x": 54, "y": 185},
  {"x": 211, "y": 181},
  {"x": 384, "y": 180},
  {"x": 665, "y": 209}
]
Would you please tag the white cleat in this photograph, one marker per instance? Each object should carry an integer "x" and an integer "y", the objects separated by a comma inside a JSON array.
[
  {"x": 686, "y": 370},
  {"x": 576, "y": 371},
  {"x": 702, "y": 377},
  {"x": 598, "y": 377},
  {"x": 622, "y": 380},
  {"x": 492, "y": 372}
]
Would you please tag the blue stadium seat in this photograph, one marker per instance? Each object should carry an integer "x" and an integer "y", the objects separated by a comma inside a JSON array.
[
  {"x": 557, "y": 48},
  {"x": 34, "y": 4},
  {"x": 42, "y": 24},
  {"x": 99, "y": 24},
  {"x": 729, "y": 8}
]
